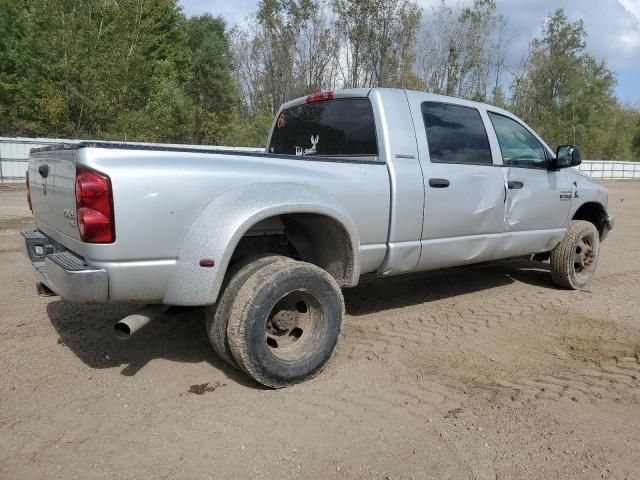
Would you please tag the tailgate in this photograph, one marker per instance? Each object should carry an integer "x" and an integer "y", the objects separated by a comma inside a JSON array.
[{"x": 52, "y": 176}]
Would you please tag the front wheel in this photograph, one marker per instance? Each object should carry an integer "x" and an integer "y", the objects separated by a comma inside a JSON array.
[
  {"x": 575, "y": 258},
  {"x": 285, "y": 322}
]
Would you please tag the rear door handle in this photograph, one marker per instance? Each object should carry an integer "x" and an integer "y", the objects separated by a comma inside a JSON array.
[
  {"x": 43, "y": 170},
  {"x": 438, "y": 182},
  {"x": 515, "y": 185}
]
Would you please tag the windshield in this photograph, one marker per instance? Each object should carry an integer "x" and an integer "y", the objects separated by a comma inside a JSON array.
[{"x": 335, "y": 127}]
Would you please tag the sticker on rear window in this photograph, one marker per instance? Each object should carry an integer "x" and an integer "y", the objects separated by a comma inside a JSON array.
[{"x": 309, "y": 151}]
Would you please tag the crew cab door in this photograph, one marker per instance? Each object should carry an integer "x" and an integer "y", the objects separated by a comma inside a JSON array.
[
  {"x": 464, "y": 190},
  {"x": 537, "y": 200}
]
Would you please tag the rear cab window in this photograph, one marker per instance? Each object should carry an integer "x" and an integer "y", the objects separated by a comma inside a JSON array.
[
  {"x": 343, "y": 127},
  {"x": 455, "y": 134}
]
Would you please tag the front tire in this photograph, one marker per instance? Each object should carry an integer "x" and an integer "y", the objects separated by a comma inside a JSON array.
[
  {"x": 575, "y": 258},
  {"x": 285, "y": 323}
]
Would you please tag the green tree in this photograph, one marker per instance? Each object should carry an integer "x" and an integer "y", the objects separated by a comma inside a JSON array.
[
  {"x": 140, "y": 70},
  {"x": 635, "y": 142},
  {"x": 80, "y": 68},
  {"x": 14, "y": 83},
  {"x": 565, "y": 94},
  {"x": 279, "y": 24},
  {"x": 211, "y": 86}
]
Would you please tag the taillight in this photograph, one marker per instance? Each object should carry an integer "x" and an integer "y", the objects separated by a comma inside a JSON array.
[
  {"x": 320, "y": 96},
  {"x": 26, "y": 180},
  {"x": 94, "y": 207}
]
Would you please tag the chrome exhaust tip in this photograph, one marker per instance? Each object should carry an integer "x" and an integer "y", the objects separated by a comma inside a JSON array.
[{"x": 130, "y": 325}]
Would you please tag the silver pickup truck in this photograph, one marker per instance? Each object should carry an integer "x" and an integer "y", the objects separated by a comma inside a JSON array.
[{"x": 382, "y": 181}]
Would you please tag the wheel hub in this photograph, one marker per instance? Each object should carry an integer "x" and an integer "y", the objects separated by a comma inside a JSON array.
[
  {"x": 584, "y": 255},
  {"x": 282, "y": 321},
  {"x": 292, "y": 325}
]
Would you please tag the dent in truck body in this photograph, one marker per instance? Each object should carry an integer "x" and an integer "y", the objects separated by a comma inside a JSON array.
[
  {"x": 450, "y": 252},
  {"x": 585, "y": 191}
]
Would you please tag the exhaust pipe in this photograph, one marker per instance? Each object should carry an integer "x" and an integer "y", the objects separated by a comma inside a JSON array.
[
  {"x": 44, "y": 291},
  {"x": 128, "y": 326}
]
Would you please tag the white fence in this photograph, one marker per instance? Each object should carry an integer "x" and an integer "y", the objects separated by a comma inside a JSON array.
[
  {"x": 611, "y": 169},
  {"x": 14, "y": 154}
]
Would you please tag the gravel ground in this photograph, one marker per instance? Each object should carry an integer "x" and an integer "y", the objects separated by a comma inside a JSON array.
[{"x": 482, "y": 373}]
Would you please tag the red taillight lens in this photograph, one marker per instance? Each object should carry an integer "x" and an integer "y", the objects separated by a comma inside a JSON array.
[
  {"x": 94, "y": 205},
  {"x": 320, "y": 96},
  {"x": 26, "y": 180}
]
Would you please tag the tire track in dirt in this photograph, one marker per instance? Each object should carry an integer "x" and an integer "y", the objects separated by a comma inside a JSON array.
[
  {"x": 617, "y": 380},
  {"x": 582, "y": 359},
  {"x": 356, "y": 403}
]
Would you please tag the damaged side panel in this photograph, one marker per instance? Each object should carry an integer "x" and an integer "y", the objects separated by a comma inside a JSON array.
[
  {"x": 449, "y": 252},
  {"x": 542, "y": 199},
  {"x": 463, "y": 223}
]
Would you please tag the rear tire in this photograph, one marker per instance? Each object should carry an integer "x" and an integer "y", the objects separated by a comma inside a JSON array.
[
  {"x": 285, "y": 322},
  {"x": 217, "y": 315},
  {"x": 575, "y": 258}
]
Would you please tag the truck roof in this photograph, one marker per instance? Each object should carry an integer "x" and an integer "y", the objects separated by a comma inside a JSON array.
[{"x": 365, "y": 92}]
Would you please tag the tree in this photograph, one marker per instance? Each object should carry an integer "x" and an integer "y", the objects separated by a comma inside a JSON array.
[
  {"x": 288, "y": 50},
  {"x": 564, "y": 93},
  {"x": 316, "y": 52},
  {"x": 463, "y": 54},
  {"x": 379, "y": 39},
  {"x": 140, "y": 70},
  {"x": 86, "y": 68},
  {"x": 15, "y": 86},
  {"x": 635, "y": 144},
  {"x": 279, "y": 24},
  {"x": 211, "y": 87}
]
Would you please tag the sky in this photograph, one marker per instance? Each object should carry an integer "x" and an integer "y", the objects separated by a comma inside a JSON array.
[{"x": 613, "y": 28}]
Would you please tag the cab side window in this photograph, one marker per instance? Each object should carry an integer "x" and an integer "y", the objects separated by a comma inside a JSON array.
[
  {"x": 518, "y": 145},
  {"x": 455, "y": 134}
]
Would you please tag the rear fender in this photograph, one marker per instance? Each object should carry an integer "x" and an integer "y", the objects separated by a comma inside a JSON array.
[{"x": 216, "y": 231}]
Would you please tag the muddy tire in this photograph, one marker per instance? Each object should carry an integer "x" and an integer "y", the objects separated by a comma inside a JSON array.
[
  {"x": 575, "y": 258},
  {"x": 217, "y": 315},
  {"x": 285, "y": 322}
]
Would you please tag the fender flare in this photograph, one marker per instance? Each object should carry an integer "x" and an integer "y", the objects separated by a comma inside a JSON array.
[
  {"x": 592, "y": 211},
  {"x": 218, "y": 228}
]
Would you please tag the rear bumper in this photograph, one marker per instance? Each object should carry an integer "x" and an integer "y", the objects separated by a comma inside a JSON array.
[{"x": 63, "y": 272}]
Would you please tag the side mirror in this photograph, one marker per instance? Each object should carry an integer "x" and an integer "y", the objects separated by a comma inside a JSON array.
[{"x": 567, "y": 156}]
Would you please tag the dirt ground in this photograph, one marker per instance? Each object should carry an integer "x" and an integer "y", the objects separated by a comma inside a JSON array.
[{"x": 487, "y": 372}]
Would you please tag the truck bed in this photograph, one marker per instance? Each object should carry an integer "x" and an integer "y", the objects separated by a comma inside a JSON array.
[{"x": 188, "y": 149}]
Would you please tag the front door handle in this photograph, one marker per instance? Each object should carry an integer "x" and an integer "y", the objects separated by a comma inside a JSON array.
[
  {"x": 438, "y": 182},
  {"x": 515, "y": 185}
]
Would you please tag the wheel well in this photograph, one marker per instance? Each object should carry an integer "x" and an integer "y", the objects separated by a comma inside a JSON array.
[
  {"x": 592, "y": 212},
  {"x": 309, "y": 237}
]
